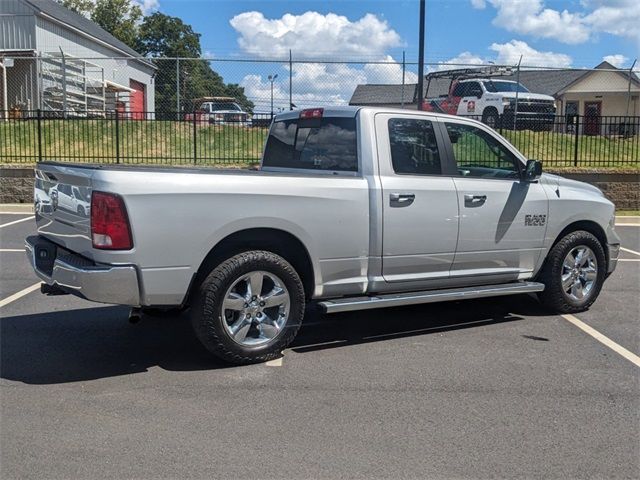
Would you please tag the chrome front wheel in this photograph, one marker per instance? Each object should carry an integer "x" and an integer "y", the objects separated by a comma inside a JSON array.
[
  {"x": 573, "y": 273},
  {"x": 579, "y": 273}
]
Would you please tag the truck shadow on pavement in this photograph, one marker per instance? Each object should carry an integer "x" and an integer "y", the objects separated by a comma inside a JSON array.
[
  {"x": 321, "y": 332},
  {"x": 94, "y": 343}
]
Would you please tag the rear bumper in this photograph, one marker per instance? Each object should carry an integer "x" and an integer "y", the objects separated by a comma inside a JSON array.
[{"x": 81, "y": 277}]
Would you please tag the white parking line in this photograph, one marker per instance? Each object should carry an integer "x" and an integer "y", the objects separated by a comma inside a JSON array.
[
  {"x": 620, "y": 350},
  {"x": 629, "y": 251},
  {"x": 15, "y": 213},
  {"x": 629, "y": 259},
  {"x": 12, "y": 250},
  {"x": 276, "y": 362},
  {"x": 16, "y": 221},
  {"x": 627, "y": 224},
  {"x": 12, "y": 298}
]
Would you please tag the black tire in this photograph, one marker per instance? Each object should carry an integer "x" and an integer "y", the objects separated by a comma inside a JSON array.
[
  {"x": 553, "y": 296},
  {"x": 207, "y": 316},
  {"x": 490, "y": 117},
  {"x": 81, "y": 211}
]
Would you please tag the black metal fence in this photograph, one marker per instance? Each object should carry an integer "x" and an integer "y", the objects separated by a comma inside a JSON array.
[
  {"x": 132, "y": 138},
  {"x": 211, "y": 140}
]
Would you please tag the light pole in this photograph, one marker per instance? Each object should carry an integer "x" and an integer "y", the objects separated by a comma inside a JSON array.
[{"x": 272, "y": 79}]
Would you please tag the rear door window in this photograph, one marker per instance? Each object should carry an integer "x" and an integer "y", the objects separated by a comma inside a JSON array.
[
  {"x": 414, "y": 149},
  {"x": 327, "y": 144}
]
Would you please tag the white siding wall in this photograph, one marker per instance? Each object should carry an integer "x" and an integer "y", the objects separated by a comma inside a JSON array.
[
  {"x": 17, "y": 26},
  {"x": 613, "y": 105},
  {"x": 602, "y": 82},
  {"x": 50, "y": 37}
]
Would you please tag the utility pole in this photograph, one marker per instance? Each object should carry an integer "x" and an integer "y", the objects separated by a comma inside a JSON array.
[
  {"x": 629, "y": 88},
  {"x": 421, "y": 57},
  {"x": 272, "y": 78}
]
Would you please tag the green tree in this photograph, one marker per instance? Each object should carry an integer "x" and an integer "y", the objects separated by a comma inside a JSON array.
[
  {"x": 83, "y": 7},
  {"x": 118, "y": 17},
  {"x": 161, "y": 35}
]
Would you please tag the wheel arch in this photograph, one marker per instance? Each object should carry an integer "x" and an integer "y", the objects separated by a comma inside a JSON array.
[
  {"x": 588, "y": 226},
  {"x": 274, "y": 240},
  {"x": 490, "y": 109}
]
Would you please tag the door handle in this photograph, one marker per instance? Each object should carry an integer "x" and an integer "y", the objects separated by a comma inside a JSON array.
[
  {"x": 401, "y": 199},
  {"x": 474, "y": 200}
]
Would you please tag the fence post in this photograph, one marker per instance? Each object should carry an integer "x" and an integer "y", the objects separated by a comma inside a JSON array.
[
  {"x": 195, "y": 145},
  {"x": 290, "y": 81},
  {"x": 39, "y": 135},
  {"x": 404, "y": 66},
  {"x": 575, "y": 148},
  {"x": 178, "y": 89},
  {"x": 117, "y": 136}
]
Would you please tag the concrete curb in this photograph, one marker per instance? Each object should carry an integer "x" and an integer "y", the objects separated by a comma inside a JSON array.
[
  {"x": 628, "y": 220},
  {"x": 16, "y": 207}
]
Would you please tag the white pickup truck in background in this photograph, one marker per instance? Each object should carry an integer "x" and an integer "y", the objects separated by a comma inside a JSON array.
[
  {"x": 497, "y": 102},
  {"x": 353, "y": 208}
]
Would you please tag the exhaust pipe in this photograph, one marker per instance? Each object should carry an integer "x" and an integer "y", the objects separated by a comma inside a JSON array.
[
  {"x": 135, "y": 315},
  {"x": 51, "y": 290}
]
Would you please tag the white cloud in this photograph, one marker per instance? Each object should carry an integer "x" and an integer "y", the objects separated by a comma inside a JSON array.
[
  {"x": 459, "y": 61},
  {"x": 312, "y": 34},
  {"x": 321, "y": 83},
  {"x": 616, "y": 17},
  {"x": 147, "y": 6},
  {"x": 478, "y": 4},
  {"x": 509, "y": 54},
  {"x": 388, "y": 72},
  {"x": 616, "y": 60},
  {"x": 531, "y": 17}
]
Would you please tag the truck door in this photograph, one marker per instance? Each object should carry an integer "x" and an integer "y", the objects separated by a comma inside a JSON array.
[
  {"x": 420, "y": 206},
  {"x": 502, "y": 218},
  {"x": 470, "y": 95}
]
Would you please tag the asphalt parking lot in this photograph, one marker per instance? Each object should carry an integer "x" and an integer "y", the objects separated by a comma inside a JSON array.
[{"x": 475, "y": 389}]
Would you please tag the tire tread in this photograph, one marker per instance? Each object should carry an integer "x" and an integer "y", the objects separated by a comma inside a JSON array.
[
  {"x": 205, "y": 311},
  {"x": 552, "y": 296}
]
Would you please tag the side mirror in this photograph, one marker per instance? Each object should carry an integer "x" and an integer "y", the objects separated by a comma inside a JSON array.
[{"x": 533, "y": 171}]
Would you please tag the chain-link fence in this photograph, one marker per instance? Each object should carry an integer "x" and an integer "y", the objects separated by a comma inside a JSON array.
[{"x": 217, "y": 110}]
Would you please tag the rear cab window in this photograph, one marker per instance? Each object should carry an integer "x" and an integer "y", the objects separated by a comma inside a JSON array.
[{"x": 324, "y": 145}]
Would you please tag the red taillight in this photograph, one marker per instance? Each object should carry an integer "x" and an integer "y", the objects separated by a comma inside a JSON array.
[
  {"x": 109, "y": 222},
  {"x": 312, "y": 113}
]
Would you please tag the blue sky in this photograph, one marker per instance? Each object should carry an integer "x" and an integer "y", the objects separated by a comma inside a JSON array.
[
  {"x": 452, "y": 27},
  {"x": 575, "y": 33}
]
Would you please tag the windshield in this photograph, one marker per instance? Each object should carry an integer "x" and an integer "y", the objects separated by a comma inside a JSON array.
[
  {"x": 224, "y": 106},
  {"x": 497, "y": 86}
]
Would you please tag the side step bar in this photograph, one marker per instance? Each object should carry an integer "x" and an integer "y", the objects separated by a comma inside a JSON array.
[{"x": 430, "y": 296}]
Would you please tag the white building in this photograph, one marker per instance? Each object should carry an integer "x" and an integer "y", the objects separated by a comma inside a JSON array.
[{"x": 56, "y": 59}]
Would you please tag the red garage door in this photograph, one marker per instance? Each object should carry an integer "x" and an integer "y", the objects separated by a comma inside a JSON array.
[{"x": 138, "y": 100}]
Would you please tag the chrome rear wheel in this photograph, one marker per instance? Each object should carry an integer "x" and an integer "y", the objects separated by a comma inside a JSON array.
[
  {"x": 249, "y": 307},
  {"x": 256, "y": 308}
]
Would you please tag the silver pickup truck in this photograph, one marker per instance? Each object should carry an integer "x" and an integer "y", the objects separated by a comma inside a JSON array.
[{"x": 352, "y": 208}]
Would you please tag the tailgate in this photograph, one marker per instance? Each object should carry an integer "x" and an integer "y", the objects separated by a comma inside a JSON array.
[{"x": 62, "y": 197}]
